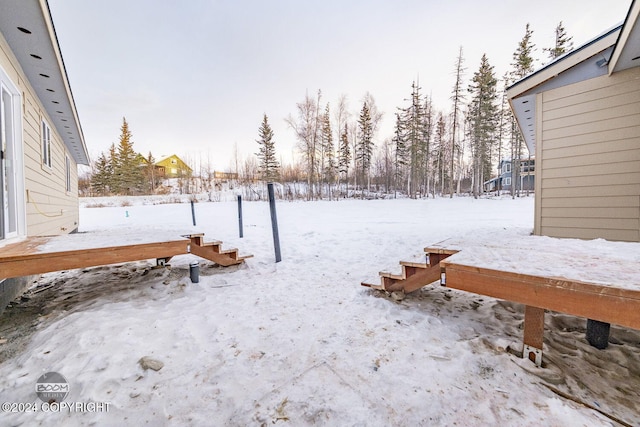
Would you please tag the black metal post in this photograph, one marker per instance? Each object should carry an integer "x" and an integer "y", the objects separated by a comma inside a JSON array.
[
  {"x": 240, "y": 214},
  {"x": 193, "y": 213},
  {"x": 194, "y": 272},
  {"x": 598, "y": 334},
  {"x": 274, "y": 221}
]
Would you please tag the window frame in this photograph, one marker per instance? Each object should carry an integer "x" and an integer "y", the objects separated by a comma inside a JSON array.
[
  {"x": 46, "y": 145},
  {"x": 67, "y": 173}
]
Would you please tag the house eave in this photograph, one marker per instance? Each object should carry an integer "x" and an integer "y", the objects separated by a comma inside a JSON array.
[
  {"x": 627, "y": 51},
  {"x": 38, "y": 53},
  {"x": 565, "y": 62},
  {"x": 587, "y": 61}
]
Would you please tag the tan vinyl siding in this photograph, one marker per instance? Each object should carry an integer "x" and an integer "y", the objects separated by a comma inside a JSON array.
[
  {"x": 592, "y": 202},
  {"x": 589, "y": 159},
  {"x": 580, "y": 233},
  {"x": 50, "y": 209}
]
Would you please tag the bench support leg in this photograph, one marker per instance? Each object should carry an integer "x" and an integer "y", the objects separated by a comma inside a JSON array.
[
  {"x": 598, "y": 334},
  {"x": 162, "y": 262},
  {"x": 533, "y": 334}
]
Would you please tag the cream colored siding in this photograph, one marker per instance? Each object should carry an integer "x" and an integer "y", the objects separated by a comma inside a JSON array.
[
  {"x": 50, "y": 209},
  {"x": 589, "y": 159}
]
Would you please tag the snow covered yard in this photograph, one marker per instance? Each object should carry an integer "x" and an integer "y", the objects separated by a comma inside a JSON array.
[{"x": 301, "y": 342}]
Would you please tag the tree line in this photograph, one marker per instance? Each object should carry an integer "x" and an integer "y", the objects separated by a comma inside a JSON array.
[{"x": 430, "y": 152}]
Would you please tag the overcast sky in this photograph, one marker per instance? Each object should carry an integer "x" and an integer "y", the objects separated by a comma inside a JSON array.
[{"x": 194, "y": 77}]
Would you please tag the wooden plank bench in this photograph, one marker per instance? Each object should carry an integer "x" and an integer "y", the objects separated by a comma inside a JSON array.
[
  {"x": 536, "y": 274},
  {"x": 39, "y": 255},
  {"x": 590, "y": 300}
]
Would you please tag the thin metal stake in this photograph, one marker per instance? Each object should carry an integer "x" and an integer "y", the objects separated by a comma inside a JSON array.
[
  {"x": 274, "y": 221},
  {"x": 240, "y": 214}
]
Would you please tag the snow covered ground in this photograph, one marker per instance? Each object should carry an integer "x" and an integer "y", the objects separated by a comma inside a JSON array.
[{"x": 300, "y": 342}]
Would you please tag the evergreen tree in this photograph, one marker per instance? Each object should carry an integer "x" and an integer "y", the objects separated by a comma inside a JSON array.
[
  {"x": 413, "y": 121},
  {"x": 328, "y": 150},
  {"x": 400, "y": 152},
  {"x": 101, "y": 177},
  {"x": 344, "y": 154},
  {"x": 364, "y": 151},
  {"x": 427, "y": 131},
  {"x": 112, "y": 157},
  {"x": 562, "y": 45},
  {"x": 128, "y": 177},
  {"x": 150, "y": 172},
  {"x": 503, "y": 122},
  {"x": 522, "y": 66},
  {"x": 439, "y": 154},
  {"x": 268, "y": 166},
  {"x": 484, "y": 116},
  {"x": 522, "y": 57}
]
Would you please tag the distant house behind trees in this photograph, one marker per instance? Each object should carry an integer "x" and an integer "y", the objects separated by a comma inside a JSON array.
[
  {"x": 172, "y": 167},
  {"x": 505, "y": 181}
]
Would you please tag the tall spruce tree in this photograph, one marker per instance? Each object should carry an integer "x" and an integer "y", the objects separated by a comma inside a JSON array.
[
  {"x": 413, "y": 121},
  {"x": 344, "y": 156},
  {"x": 112, "y": 158},
  {"x": 328, "y": 151},
  {"x": 101, "y": 176},
  {"x": 128, "y": 176},
  {"x": 503, "y": 122},
  {"x": 364, "y": 150},
  {"x": 522, "y": 66},
  {"x": 427, "y": 132},
  {"x": 439, "y": 154},
  {"x": 563, "y": 43},
  {"x": 484, "y": 121},
  {"x": 400, "y": 152},
  {"x": 150, "y": 172},
  {"x": 268, "y": 166}
]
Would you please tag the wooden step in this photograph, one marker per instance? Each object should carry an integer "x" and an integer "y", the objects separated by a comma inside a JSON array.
[
  {"x": 414, "y": 264},
  {"x": 369, "y": 285},
  {"x": 415, "y": 275},
  {"x": 232, "y": 251},
  {"x": 213, "y": 251},
  {"x": 392, "y": 276}
]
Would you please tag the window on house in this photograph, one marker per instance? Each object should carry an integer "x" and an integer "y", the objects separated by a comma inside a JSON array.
[
  {"x": 67, "y": 170},
  {"x": 46, "y": 144},
  {"x": 507, "y": 181},
  {"x": 506, "y": 167},
  {"x": 174, "y": 171},
  {"x": 174, "y": 162}
]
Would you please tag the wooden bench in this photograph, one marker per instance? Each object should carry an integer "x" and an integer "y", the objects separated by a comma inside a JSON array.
[
  {"x": 548, "y": 289},
  {"x": 38, "y": 255}
]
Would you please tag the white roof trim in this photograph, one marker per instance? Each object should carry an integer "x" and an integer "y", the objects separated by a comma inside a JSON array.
[
  {"x": 627, "y": 50},
  {"x": 564, "y": 62},
  {"x": 39, "y": 56}
]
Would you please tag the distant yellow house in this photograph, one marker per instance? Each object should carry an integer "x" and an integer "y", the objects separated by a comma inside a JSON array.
[{"x": 172, "y": 167}]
